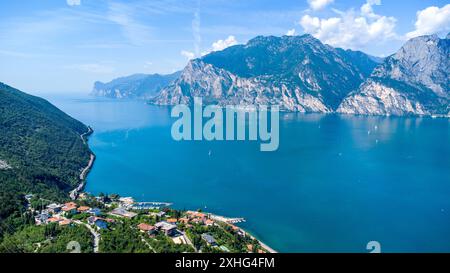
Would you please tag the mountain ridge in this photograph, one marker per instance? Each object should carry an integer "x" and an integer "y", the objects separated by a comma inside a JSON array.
[
  {"x": 136, "y": 86},
  {"x": 413, "y": 81},
  {"x": 297, "y": 72}
]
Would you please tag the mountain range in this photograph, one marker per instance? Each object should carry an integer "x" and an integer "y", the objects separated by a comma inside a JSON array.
[
  {"x": 137, "y": 86},
  {"x": 301, "y": 74}
]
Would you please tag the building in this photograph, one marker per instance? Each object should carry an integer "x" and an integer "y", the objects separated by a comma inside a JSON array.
[
  {"x": 172, "y": 220},
  {"x": 83, "y": 209},
  {"x": 184, "y": 220},
  {"x": 54, "y": 220},
  {"x": 167, "y": 228},
  {"x": 97, "y": 221},
  {"x": 101, "y": 224},
  {"x": 195, "y": 214},
  {"x": 70, "y": 204},
  {"x": 41, "y": 218},
  {"x": 65, "y": 222},
  {"x": 143, "y": 227},
  {"x": 128, "y": 201},
  {"x": 95, "y": 211},
  {"x": 28, "y": 197},
  {"x": 209, "y": 222},
  {"x": 54, "y": 208},
  {"x": 158, "y": 214},
  {"x": 121, "y": 212},
  {"x": 69, "y": 208},
  {"x": 209, "y": 239}
]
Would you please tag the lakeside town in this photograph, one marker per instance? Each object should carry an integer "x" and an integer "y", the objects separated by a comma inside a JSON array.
[{"x": 120, "y": 224}]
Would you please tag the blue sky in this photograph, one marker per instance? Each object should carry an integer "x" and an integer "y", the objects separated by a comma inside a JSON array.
[{"x": 65, "y": 45}]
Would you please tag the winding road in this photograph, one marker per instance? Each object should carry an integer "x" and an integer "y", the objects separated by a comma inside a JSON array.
[{"x": 94, "y": 233}]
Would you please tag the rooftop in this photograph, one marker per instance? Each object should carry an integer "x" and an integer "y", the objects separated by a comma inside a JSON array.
[
  {"x": 208, "y": 238},
  {"x": 123, "y": 212},
  {"x": 165, "y": 225},
  {"x": 83, "y": 208},
  {"x": 145, "y": 227}
]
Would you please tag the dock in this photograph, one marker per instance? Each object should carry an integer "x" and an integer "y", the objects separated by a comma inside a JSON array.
[{"x": 150, "y": 205}]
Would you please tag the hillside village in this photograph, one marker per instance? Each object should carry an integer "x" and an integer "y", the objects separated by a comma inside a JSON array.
[{"x": 119, "y": 224}]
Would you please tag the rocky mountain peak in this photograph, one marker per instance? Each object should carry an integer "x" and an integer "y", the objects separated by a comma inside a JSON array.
[
  {"x": 297, "y": 72},
  {"x": 413, "y": 81}
]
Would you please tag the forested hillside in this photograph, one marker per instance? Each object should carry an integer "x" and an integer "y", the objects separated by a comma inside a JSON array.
[{"x": 41, "y": 152}]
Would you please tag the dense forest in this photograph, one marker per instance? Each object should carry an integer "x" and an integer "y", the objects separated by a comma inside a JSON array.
[{"x": 43, "y": 150}]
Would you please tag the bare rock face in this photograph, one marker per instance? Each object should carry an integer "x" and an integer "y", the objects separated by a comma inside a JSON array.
[
  {"x": 414, "y": 81},
  {"x": 377, "y": 99},
  {"x": 297, "y": 73},
  {"x": 218, "y": 86}
]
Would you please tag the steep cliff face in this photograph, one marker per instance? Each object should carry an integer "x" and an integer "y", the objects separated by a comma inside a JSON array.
[
  {"x": 297, "y": 73},
  {"x": 414, "y": 81},
  {"x": 219, "y": 86}
]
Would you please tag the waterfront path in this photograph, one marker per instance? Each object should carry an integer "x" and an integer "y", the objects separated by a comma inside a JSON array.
[{"x": 74, "y": 193}]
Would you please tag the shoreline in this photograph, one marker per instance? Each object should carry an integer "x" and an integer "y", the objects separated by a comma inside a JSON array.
[
  {"x": 74, "y": 193},
  {"x": 229, "y": 220},
  {"x": 83, "y": 175}
]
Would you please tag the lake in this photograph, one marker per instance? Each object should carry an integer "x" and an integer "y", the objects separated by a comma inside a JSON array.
[{"x": 335, "y": 183}]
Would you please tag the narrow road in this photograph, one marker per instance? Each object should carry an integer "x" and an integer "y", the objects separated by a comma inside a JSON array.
[
  {"x": 88, "y": 167},
  {"x": 90, "y": 131},
  {"x": 74, "y": 193},
  {"x": 94, "y": 233}
]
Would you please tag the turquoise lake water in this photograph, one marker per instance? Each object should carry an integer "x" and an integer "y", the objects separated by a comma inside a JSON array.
[{"x": 335, "y": 183}]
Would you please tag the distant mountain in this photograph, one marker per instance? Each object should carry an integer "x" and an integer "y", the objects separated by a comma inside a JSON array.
[
  {"x": 138, "y": 86},
  {"x": 41, "y": 150},
  {"x": 413, "y": 81},
  {"x": 299, "y": 73}
]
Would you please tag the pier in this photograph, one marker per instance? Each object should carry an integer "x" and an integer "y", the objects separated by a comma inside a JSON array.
[{"x": 150, "y": 205}]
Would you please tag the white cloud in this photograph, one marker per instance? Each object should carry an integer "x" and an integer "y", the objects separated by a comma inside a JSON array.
[
  {"x": 73, "y": 2},
  {"x": 123, "y": 15},
  {"x": 290, "y": 32},
  {"x": 216, "y": 46},
  {"x": 432, "y": 20},
  {"x": 189, "y": 55},
  {"x": 367, "y": 9},
  {"x": 222, "y": 44},
  {"x": 319, "y": 4},
  {"x": 351, "y": 29},
  {"x": 196, "y": 22}
]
